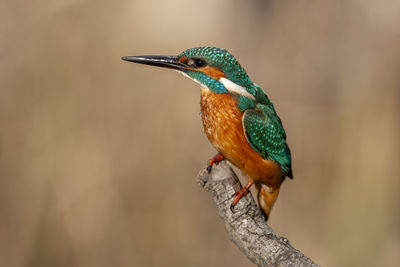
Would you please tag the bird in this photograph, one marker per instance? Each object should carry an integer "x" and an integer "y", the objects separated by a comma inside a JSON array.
[{"x": 239, "y": 119}]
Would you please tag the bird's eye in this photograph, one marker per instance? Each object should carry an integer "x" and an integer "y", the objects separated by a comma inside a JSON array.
[{"x": 196, "y": 62}]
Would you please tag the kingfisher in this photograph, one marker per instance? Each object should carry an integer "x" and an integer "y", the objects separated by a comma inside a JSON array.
[{"x": 239, "y": 119}]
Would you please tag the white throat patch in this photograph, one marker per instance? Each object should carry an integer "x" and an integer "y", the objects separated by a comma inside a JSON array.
[
  {"x": 235, "y": 88},
  {"x": 229, "y": 85}
]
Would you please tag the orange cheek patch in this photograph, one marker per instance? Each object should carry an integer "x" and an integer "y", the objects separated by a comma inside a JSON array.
[
  {"x": 183, "y": 59},
  {"x": 212, "y": 72}
]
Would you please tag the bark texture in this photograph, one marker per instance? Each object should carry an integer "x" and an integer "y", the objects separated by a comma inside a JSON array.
[{"x": 246, "y": 226}]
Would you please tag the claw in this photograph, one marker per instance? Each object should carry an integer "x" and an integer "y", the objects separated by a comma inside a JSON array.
[
  {"x": 215, "y": 160},
  {"x": 209, "y": 168},
  {"x": 241, "y": 193},
  {"x": 232, "y": 208}
]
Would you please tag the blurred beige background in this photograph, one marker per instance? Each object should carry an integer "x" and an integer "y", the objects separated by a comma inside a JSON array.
[{"x": 98, "y": 157}]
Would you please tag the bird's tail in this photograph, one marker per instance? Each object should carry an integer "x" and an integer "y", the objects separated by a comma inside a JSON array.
[{"x": 266, "y": 198}]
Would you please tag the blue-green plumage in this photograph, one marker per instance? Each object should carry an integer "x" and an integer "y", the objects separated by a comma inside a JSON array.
[
  {"x": 265, "y": 132},
  {"x": 223, "y": 60},
  {"x": 261, "y": 124},
  {"x": 266, "y": 135}
]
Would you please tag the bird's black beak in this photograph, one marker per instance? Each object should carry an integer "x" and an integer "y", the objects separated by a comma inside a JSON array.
[{"x": 171, "y": 62}]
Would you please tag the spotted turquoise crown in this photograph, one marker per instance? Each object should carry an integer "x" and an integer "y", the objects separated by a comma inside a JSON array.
[{"x": 222, "y": 60}]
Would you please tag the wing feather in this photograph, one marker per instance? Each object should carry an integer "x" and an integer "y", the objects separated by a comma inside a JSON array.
[{"x": 265, "y": 134}]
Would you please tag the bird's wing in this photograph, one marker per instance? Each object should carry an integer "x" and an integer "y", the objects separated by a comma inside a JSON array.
[{"x": 265, "y": 133}]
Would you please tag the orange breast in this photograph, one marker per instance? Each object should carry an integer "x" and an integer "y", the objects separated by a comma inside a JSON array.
[{"x": 222, "y": 121}]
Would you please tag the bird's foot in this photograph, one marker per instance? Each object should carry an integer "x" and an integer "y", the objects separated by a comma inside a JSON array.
[
  {"x": 215, "y": 160},
  {"x": 241, "y": 193}
]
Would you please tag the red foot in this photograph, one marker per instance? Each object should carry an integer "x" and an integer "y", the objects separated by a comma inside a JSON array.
[
  {"x": 215, "y": 160},
  {"x": 241, "y": 193}
]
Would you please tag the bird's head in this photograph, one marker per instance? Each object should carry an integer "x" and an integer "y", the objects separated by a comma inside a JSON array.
[{"x": 213, "y": 68}]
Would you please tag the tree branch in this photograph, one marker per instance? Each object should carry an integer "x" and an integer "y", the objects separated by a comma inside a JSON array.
[{"x": 246, "y": 226}]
